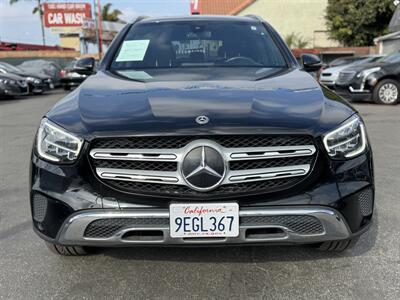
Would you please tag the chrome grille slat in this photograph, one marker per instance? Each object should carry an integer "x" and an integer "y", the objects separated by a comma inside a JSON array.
[
  {"x": 177, "y": 154},
  {"x": 171, "y": 177},
  {"x": 266, "y": 174}
]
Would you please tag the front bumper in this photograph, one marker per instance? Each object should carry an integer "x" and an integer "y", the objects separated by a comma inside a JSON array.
[
  {"x": 13, "y": 90},
  {"x": 349, "y": 93},
  {"x": 147, "y": 227},
  {"x": 65, "y": 199}
]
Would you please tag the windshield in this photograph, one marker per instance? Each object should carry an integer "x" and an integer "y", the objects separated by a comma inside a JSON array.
[
  {"x": 9, "y": 68},
  {"x": 391, "y": 58},
  {"x": 200, "y": 44},
  {"x": 344, "y": 61},
  {"x": 367, "y": 60}
]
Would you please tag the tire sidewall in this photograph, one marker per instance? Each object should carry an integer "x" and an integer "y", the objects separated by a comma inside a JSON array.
[{"x": 380, "y": 85}]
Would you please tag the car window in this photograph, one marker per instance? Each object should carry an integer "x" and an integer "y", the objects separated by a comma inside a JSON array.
[
  {"x": 197, "y": 44},
  {"x": 391, "y": 58}
]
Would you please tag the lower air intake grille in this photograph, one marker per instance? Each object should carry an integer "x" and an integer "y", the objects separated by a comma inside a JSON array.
[
  {"x": 298, "y": 224},
  {"x": 39, "y": 209},
  {"x": 106, "y": 228},
  {"x": 366, "y": 202}
]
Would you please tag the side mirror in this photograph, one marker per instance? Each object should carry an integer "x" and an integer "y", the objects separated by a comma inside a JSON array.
[
  {"x": 85, "y": 66},
  {"x": 311, "y": 62}
]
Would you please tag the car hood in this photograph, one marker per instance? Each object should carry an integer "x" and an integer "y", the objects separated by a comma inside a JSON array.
[
  {"x": 359, "y": 68},
  {"x": 335, "y": 70},
  {"x": 11, "y": 76},
  {"x": 24, "y": 73},
  {"x": 106, "y": 105}
]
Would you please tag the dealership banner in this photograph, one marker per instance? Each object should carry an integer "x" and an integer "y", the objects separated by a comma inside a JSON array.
[{"x": 66, "y": 14}]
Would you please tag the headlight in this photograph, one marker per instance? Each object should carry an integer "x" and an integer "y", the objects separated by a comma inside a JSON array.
[
  {"x": 55, "y": 144},
  {"x": 3, "y": 81},
  {"x": 347, "y": 141},
  {"x": 366, "y": 73},
  {"x": 30, "y": 79}
]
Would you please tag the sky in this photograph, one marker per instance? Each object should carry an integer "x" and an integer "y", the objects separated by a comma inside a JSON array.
[{"x": 18, "y": 24}]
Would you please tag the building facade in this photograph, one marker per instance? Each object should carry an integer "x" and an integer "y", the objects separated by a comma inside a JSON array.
[{"x": 303, "y": 18}]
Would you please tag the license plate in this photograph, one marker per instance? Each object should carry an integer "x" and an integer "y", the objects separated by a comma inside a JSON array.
[
  {"x": 51, "y": 86},
  {"x": 204, "y": 220}
]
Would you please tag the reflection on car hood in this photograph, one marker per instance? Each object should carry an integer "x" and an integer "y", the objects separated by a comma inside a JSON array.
[
  {"x": 358, "y": 68},
  {"x": 107, "y": 105},
  {"x": 25, "y": 74},
  {"x": 11, "y": 76},
  {"x": 335, "y": 70}
]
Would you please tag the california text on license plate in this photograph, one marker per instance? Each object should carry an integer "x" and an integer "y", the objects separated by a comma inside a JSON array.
[{"x": 204, "y": 220}]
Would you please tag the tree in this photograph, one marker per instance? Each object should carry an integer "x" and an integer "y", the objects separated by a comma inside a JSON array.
[
  {"x": 37, "y": 9},
  {"x": 112, "y": 16},
  {"x": 358, "y": 22},
  {"x": 295, "y": 41}
]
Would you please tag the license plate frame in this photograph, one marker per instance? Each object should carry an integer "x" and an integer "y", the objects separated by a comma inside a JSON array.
[{"x": 204, "y": 220}]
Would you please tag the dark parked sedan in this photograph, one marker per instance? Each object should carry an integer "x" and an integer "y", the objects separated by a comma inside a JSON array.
[
  {"x": 45, "y": 67},
  {"x": 37, "y": 83},
  {"x": 378, "y": 81},
  {"x": 12, "y": 85}
]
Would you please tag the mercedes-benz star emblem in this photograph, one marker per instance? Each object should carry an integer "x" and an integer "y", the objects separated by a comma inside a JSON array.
[
  {"x": 203, "y": 168},
  {"x": 202, "y": 120}
]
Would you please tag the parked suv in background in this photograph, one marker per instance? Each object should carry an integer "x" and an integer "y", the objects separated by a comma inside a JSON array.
[
  {"x": 197, "y": 131},
  {"x": 378, "y": 81},
  {"x": 76, "y": 72}
]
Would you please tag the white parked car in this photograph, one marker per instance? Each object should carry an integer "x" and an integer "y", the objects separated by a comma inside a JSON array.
[{"x": 329, "y": 76}]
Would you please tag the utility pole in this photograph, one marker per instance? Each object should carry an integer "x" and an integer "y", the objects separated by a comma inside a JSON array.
[
  {"x": 100, "y": 20},
  {"x": 41, "y": 22},
  {"x": 97, "y": 25}
]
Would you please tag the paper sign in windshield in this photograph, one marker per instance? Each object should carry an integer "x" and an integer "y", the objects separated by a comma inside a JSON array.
[{"x": 133, "y": 50}]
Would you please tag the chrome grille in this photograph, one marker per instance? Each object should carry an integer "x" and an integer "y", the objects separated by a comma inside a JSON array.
[
  {"x": 345, "y": 77},
  {"x": 151, "y": 165}
]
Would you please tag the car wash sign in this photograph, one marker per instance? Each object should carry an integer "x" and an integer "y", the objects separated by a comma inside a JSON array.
[{"x": 66, "y": 14}]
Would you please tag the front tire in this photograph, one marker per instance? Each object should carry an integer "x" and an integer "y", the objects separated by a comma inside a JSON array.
[
  {"x": 67, "y": 250},
  {"x": 338, "y": 246},
  {"x": 386, "y": 92}
]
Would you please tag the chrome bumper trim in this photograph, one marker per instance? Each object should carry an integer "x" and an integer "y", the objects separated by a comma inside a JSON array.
[{"x": 72, "y": 231}]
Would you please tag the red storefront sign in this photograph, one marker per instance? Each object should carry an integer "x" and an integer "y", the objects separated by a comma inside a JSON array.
[{"x": 65, "y": 14}]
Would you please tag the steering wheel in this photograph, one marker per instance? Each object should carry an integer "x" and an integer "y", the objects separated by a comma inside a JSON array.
[{"x": 241, "y": 60}]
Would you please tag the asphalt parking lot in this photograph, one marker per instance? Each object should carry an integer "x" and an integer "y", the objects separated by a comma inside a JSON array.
[{"x": 29, "y": 271}]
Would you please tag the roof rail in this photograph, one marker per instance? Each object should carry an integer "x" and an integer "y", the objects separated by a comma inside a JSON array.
[
  {"x": 255, "y": 17},
  {"x": 140, "y": 18}
]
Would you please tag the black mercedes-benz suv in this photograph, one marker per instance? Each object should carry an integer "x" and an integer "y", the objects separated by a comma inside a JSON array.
[{"x": 201, "y": 131}]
